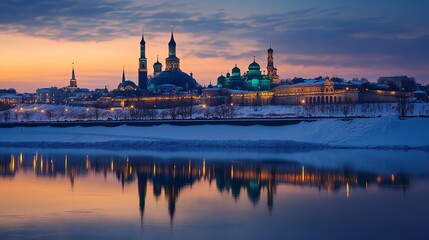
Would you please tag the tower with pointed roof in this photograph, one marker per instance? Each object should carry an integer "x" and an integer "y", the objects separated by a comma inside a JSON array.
[
  {"x": 142, "y": 65},
  {"x": 271, "y": 70},
  {"x": 172, "y": 63},
  {"x": 73, "y": 81}
]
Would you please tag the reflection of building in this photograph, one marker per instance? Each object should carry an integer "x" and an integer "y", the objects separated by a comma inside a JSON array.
[{"x": 257, "y": 180}]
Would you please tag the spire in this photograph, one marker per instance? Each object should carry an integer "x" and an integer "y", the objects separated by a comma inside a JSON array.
[
  {"x": 254, "y": 58},
  {"x": 157, "y": 59},
  {"x": 123, "y": 74},
  {"x": 142, "y": 42},
  {"x": 73, "y": 76},
  {"x": 172, "y": 43}
]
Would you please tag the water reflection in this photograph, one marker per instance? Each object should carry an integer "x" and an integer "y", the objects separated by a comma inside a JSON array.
[
  {"x": 254, "y": 180},
  {"x": 172, "y": 176}
]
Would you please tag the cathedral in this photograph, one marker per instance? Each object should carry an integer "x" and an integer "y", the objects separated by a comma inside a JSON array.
[
  {"x": 253, "y": 79},
  {"x": 171, "y": 78}
]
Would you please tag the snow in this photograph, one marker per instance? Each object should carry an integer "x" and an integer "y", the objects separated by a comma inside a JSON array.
[
  {"x": 39, "y": 112},
  {"x": 385, "y": 132}
]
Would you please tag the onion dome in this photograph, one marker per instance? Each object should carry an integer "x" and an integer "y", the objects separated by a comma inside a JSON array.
[
  {"x": 221, "y": 80},
  {"x": 254, "y": 66},
  {"x": 270, "y": 50},
  {"x": 157, "y": 64},
  {"x": 236, "y": 70}
]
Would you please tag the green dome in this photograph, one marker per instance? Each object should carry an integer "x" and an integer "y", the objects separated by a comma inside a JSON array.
[
  {"x": 254, "y": 66},
  {"x": 236, "y": 69}
]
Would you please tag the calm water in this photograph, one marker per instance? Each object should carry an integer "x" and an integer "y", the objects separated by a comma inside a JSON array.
[{"x": 330, "y": 194}]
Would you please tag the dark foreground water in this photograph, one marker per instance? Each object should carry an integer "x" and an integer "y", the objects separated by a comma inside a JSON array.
[{"x": 330, "y": 194}]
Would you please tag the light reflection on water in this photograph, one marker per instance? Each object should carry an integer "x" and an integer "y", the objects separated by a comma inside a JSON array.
[{"x": 354, "y": 194}]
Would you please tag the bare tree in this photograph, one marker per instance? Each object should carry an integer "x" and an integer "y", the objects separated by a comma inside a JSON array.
[
  {"x": 172, "y": 112},
  {"x": 50, "y": 114},
  {"x": 346, "y": 109},
  {"x": 97, "y": 114},
  {"x": 404, "y": 106},
  {"x": 27, "y": 116},
  {"x": 6, "y": 116}
]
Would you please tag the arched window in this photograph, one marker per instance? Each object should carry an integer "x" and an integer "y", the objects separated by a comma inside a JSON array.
[
  {"x": 335, "y": 99},
  {"x": 332, "y": 89},
  {"x": 318, "y": 99},
  {"x": 327, "y": 99},
  {"x": 330, "y": 99},
  {"x": 314, "y": 99},
  {"x": 326, "y": 89}
]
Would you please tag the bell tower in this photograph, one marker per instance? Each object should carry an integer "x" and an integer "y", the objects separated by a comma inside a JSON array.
[
  {"x": 271, "y": 70},
  {"x": 172, "y": 63}
]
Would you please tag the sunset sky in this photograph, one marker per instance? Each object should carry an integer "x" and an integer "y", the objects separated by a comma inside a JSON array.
[{"x": 39, "y": 40}]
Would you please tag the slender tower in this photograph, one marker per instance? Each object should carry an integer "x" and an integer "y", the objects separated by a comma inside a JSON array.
[
  {"x": 271, "y": 70},
  {"x": 142, "y": 65},
  {"x": 123, "y": 74},
  {"x": 172, "y": 63},
  {"x": 73, "y": 81}
]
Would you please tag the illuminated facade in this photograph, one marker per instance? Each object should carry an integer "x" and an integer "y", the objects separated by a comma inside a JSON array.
[
  {"x": 253, "y": 79},
  {"x": 320, "y": 91}
]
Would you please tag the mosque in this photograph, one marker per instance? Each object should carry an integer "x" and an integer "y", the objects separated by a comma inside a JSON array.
[
  {"x": 253, "y": 79},
  {"x": 171, "y": 79}
]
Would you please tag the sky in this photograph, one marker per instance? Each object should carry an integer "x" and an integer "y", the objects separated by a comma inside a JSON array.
[{"x": 39, "y": 40}]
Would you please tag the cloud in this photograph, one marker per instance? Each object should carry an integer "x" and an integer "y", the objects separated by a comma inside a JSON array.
[{"x": 309, "y": 37}]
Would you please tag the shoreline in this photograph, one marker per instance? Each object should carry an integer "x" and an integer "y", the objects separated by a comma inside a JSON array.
[
  {"x": 180, "y": 145},
  {"x": 365, "y": 133}
]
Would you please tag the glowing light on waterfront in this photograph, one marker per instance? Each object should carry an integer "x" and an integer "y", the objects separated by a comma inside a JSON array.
[{"x": 347, "y": 190}]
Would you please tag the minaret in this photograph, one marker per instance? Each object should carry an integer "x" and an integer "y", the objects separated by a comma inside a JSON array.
[
  {"x": 172, "y": 63},
  {"x": 142, "y": 65},
  {"x": 271, "y": 70},
  {"x": 73, "y": 81},
  {"x": 123, "y": 74}
]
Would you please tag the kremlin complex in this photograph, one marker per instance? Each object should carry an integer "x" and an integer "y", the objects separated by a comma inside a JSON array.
[{"x": 168, "y": 86}]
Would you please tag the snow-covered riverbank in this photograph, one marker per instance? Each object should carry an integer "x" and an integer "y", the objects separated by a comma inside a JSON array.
[
  {"x": 385, "y": 132},
  {"x": 48, "y": 112}
]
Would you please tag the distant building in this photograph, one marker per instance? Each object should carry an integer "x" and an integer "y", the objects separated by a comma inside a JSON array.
[
  {"x": 126, "y": 85},
  {"x": 52, "y": 95},
  {"x": 323, "y": 91},
  {"x": 73, "y": 82},
  {"x": 253, "y": 79},
  {"x": 402, "y": 83}
]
